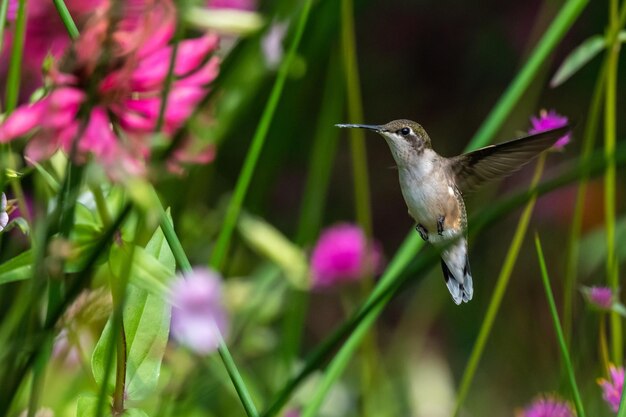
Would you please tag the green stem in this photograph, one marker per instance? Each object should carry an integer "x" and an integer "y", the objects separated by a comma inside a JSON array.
[
  {"x": 559, "y": 331},
  {"x": 183, "y": 262},
  {"x": 573, "y": 248},
  {"x": 101, "y": 204},
  {"x": 355, "y": 115},
  {"x": 169, "y": 79},
  {"x": 610, "y": 106},
  {"x": 4, "y": 8},
  {"x": 15, "y": 63},
  {"x": 559, "y": 27},
  {"x": 66, "y": 18},
  {"x": 498, "y": 294},
  {"x": 232, "y": 213}
]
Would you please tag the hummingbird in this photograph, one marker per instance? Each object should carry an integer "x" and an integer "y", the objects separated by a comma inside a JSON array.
[{"x": 433, "y": 186}]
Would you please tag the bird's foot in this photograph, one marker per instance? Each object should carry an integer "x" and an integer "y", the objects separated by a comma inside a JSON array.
[
  {"x": 422, "y": 231},
  {"x": 440, "y": 221}
]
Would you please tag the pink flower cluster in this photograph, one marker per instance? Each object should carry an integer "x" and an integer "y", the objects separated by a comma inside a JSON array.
[
  {"x": 612, "y": 387},
  {"x": 547, "y": 406},
  {"x": 199, "y": 318},
  {"x": 550, "y": 120},
  {"x": 599, "y": 297},
  {"x": 115, "y": 122},
  {"x": 343, "y": 254}
]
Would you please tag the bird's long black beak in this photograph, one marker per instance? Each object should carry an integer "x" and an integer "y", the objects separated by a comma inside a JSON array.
[{"x": 375, "y": 128}]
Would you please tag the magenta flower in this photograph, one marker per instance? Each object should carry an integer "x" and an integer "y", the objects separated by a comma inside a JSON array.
[
  {"x": 4, "y": 216},
  {"x": 198, "y": 313},
  {"x": 600, "y": 297},
  {"x": 125, "y": 107},
  {"x": 343, "y": 254},
  {"x": 612, "y": 388},
  {"x": 547, "y": 406},
  {"x": 550, "y": 120}
]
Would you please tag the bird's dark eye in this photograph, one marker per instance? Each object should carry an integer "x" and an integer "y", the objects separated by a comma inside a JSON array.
[{"x": 405, "y": 131}]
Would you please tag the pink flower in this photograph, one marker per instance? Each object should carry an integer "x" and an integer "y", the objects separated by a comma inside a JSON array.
[
  {"x": 612, "y": 389},
  {"x": 547, "y": 406},
  {"x": 272, "y": 44},
  {"x": 198, "y": 310},
  {"x": 232, "y": 4},
  {"x": 600, "y": 297},
  {"x": 550, "y": 120},
  {"x": 343, "y": 254},
  {"x": 124, "y": 109}
]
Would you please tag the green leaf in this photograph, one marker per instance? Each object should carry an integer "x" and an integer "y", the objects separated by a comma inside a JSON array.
[
  {"x": 86, "y": 405},
  {"x": 269, "y": 242},
  {"x": 577, "y": 59},
  {"x": 146, "y": 317},
  {"x": 18, "y": 268}
]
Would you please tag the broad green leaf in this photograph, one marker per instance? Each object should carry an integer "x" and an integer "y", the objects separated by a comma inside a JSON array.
[
  {"x": 17, "y": 268},
  {"x": 577, "y": 59},
  {"x": 269, "y": 242},
  {"x": 146, "y": 316}
]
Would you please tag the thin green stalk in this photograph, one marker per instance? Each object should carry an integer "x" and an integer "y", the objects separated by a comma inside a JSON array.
[
  {"x": 66, "y": 18},
  {"x": 15, "y": 63},
  {"x": 355, "y": 115},
  {"x": 559, "y": 27},
  {"x": 610, "y": 109},
  {"x": 559, "y": 331},
  {"x": 498, "y": 293},
  {"x": 183, "y": 262},
  {"x": 573, "y": 248},
  {"x": 313, "y": 203},
  {"x": 4, "y": 8},
  {"x": 245, "y": 177},
  {"x": 169, "y": 79}
]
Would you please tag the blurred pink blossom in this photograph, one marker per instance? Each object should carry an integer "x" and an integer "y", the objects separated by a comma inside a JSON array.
[
  {"x": 343, "y": 254},
  {"x": 547, "y": 406},
  {"x": 198, "y": 310},
  {"x": 272, "y": 44},
  {"x": 600, "y": 297},
  {"x": 612, "y": 387},
  {"x": 232, "y": 4},
  {"x": 127, "y": 101},
  {"x": 550, "y": 120}
]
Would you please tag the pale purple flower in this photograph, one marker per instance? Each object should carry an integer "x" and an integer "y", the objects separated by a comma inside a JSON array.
[
  {"x": 233, "y": 4},
  {"x": 550, "y": 120},
  {"x": 272, "y": 44},
  {"x": 343, "y": 254},
  {"x": 547, "y": 406},
  {"x": 600, "y": 297},
  {"x": 126, "y": 106},
  {"x": 612, "y": 387},
  {"x": 199, "y": 318},
  {"x": 4, "y": 216}
]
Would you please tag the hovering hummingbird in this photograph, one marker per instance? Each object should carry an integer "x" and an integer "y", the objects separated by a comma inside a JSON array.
[{"x": 433, "y": 187}]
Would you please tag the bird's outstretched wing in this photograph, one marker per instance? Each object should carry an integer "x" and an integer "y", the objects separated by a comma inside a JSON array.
[{"x": 497, "y": 161}]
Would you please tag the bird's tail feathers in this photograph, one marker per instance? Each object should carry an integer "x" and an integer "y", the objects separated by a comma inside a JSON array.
[{"x": 457, "y": 273}]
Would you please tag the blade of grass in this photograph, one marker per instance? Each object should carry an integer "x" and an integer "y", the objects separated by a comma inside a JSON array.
[
  {"x": 499, "y": 291},
  {"x": 183, "y": 262},
  {"x": 355, "y": 115},
  {"x": 4, "y": 8},
  {"x": 66, "y": 18},
  {"x": 573, "y": 249},
  {"x": 610, "y": 105},
  {"x": 559, "y": 27},
  {"x": 565, "y": 356},
  {"x": 234, "y": 207}
]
